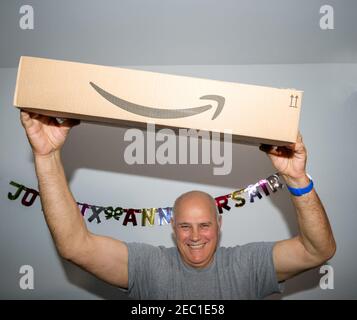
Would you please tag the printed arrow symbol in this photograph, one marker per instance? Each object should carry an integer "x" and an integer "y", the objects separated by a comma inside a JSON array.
[{"x": 158, "y": 112}]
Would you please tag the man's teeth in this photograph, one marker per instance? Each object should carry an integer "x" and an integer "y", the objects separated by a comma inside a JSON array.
[{"x": 196, "y": 246}]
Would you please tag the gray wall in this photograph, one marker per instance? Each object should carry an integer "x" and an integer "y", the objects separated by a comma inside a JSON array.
[{"x": 278, "y": 45}]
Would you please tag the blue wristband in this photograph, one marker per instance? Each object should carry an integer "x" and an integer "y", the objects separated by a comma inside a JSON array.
[{"x": 301, "y": 191}]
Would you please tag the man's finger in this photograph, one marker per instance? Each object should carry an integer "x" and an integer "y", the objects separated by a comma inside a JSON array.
[
  {"x": 26, "y": 119},
  {"x": 69, "y": 123},
  {"x": 269, "y": 149},
  {"x": 265, "y": 147},
  {"x": 286, "y": 151}
]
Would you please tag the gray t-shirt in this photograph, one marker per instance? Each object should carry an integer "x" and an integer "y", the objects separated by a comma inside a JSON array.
[{"x": 240, "y": 272}]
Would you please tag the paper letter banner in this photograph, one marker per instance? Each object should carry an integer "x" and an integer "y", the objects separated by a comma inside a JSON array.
[{"x": 153, "y": 216}]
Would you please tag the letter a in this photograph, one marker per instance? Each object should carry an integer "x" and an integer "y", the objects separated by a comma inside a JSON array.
[
  {"x": 26, "y": 21},
  {"x": 326, "y": 21},
  {"x": 134, "y": 153},
  {"x": 326, "y": 281},
  {"x": 27, "y": 280}
]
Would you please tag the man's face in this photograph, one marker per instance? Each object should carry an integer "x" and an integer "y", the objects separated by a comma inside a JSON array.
[{"x": 197, "y": 230}]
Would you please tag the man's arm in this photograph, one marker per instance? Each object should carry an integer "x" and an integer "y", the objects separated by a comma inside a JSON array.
[
  {"x": 105, "y": 257},
  {"x": 315, "y": 243}
]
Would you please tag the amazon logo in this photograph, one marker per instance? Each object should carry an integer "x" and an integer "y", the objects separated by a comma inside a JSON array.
[{"x": 151, "y": 112}]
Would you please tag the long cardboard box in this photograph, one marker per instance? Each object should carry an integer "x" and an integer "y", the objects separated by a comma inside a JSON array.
[{"x": 254, "y": 114}]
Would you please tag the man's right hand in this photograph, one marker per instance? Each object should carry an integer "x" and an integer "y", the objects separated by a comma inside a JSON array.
[{"x": 44, "y": 133}]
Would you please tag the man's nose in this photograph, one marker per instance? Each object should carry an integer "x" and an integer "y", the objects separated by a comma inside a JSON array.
[{"x": 195, "y": 235}]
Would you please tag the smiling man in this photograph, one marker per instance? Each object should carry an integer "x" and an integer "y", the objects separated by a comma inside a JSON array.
[
  {"x": 196, "y": 226},
  {"x": 197, "y": 267}
]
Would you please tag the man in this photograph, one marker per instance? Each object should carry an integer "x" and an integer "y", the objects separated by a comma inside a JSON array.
[{"x": 196, "y": 269}]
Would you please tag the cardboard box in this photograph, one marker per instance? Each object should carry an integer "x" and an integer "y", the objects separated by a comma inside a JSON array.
[{"x": 255, "y": 114}]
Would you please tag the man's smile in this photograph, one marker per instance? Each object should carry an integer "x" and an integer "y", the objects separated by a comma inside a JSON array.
[{"x": 196, "y": 246}]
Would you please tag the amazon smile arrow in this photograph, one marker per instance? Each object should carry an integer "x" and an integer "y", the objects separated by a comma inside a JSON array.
[{"x": 158, "y": 112}]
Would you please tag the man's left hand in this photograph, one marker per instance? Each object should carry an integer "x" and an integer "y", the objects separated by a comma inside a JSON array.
[{"x": 290, "y": 161}]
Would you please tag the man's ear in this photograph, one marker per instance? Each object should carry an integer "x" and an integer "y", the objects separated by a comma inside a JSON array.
[
  {"x": 173, "y": 227},
  {"x": 172, "y": 224},
  {"x": 220, "y": 221}
]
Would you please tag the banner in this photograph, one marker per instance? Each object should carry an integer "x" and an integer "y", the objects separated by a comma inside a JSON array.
[{"x": 153, "y": 216}]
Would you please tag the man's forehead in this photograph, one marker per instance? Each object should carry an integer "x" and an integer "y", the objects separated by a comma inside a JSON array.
[
  {"x": 195, "y": 218},
  {"x": 184, "y": 222},
  {"x": 204, "y": 215}
]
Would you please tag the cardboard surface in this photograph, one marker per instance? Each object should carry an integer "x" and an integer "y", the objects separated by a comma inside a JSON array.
[{"x": 254, "y": 114}]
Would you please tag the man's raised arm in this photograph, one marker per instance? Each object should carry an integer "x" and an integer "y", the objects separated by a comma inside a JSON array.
[
  {"x": 315, "y": 242},
  {"x": 105, "y": 257}
]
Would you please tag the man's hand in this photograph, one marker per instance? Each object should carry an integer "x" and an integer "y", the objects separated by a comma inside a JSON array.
[
  {"x": 290, "y": 161},
  {"x": 44, "y": 133}
]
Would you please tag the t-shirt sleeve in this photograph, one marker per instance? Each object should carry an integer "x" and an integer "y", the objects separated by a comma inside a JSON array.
[
  {"x": 143, "y": 263},
  {"x": 258, "y": 257}
]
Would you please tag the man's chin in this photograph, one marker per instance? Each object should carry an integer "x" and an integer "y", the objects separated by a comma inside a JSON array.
[{"x": 198, "y": 262}]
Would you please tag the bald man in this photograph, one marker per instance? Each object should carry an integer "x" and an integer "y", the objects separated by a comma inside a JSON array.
[{"x": 196, "y": 268}]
